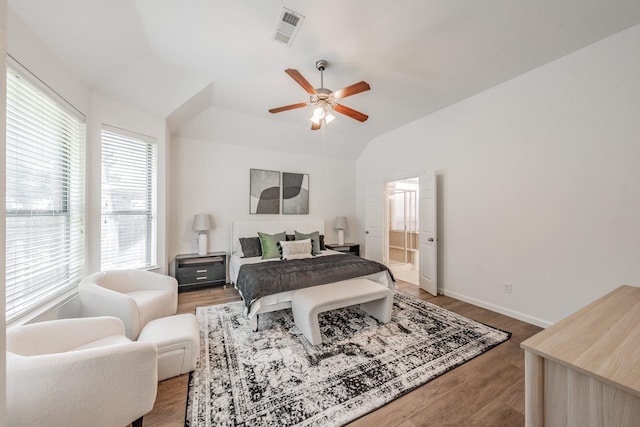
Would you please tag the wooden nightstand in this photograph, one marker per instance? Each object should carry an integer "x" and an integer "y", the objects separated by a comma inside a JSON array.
[
  {"x": 194, "y": 271},
  {"x": 349, "y": 248}
]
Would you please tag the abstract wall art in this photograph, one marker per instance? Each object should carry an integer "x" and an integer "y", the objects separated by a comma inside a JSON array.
[
  {"x": 265, "y": 192},
  {"x": 295, "y": 193}
]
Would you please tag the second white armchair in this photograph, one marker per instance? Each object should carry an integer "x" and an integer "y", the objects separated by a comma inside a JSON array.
[
  {"x": 135, "y": 296},
  {"x": 77, "y": 373}
]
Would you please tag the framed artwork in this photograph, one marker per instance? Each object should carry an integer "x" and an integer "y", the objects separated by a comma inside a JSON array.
[
  {"x": 264, "y": 192},
  {"x": 295, "y": 193}
]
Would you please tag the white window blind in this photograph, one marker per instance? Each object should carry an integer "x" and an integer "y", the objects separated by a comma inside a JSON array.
[
  {"x": 128, "y": 200},
  {"x": 44, "y": 196}
]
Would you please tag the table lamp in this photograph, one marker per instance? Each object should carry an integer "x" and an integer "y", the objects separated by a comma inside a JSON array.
[
  {"x": 202, "y": 223},
  {"x": 340, "y": 224}
]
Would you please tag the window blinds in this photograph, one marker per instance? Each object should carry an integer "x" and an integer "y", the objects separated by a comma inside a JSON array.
[
  {"x": 128, "y": 200},
  {"x": 44, "y": 196}
]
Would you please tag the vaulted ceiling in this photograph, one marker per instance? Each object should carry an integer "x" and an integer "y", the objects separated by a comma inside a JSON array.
[{"x": 213, "y": 68}]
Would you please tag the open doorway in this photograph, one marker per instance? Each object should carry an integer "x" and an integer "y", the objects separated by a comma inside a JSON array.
[{"x": 402, "y": 224}]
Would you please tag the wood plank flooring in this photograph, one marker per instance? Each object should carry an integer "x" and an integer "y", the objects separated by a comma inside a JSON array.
[{"x": 486, "y": 391}]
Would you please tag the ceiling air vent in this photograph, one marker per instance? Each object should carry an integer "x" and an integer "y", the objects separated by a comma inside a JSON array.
[{"x": 287, "y": 26}]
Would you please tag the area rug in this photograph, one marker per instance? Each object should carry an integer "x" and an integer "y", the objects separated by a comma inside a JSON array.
[{"x": 274, "y": 377}]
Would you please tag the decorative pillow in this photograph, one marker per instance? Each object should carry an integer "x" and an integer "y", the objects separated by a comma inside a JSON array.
[
  {"x": 250, "y": 247},
  {"x": 322, "y": 246},
  {"x": 296, "y": 249},
  {"x": 315, "y": 238},
  {"x": 269, "y": 244}
]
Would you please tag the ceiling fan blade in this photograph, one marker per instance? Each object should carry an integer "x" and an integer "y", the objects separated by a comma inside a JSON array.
[
  {"x": 350, "y": 112},
  {"x": 351, "y": 90},
  {"x": 288, "y": 107},
  {"x": 316, "y": 126},
  {"x": 295, "y": 75}
]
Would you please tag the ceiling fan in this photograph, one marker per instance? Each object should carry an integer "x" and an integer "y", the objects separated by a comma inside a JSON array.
[{"x": 325, "y": 100}]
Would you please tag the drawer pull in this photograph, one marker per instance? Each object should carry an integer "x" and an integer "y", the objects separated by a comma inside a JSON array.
[
  {"x": 201, "y": 278},
  {"x": 201, "y": 271}
]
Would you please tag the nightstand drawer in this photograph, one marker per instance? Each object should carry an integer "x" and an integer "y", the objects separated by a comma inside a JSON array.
[{"x": 201, "y": 273}]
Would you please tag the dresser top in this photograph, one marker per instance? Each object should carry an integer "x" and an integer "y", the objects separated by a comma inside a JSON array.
[{"x": 601, "y": 339}]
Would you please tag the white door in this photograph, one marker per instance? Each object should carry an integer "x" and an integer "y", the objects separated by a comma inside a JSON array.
[
  {"x": 374, "y": 222},
  {"x": 428, "y": 233}
]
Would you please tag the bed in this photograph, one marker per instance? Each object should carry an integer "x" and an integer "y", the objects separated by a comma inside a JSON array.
[{"x": 288, "y": 275}]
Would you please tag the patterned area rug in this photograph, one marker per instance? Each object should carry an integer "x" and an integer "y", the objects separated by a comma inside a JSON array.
[{"x": 274, "y": 377}]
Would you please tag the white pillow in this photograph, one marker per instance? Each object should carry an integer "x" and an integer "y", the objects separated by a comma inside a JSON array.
[{"x": 295, "y": 249}]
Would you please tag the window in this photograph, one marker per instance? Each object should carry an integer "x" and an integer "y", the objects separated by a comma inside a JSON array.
[
  {"x": 128, "y": 200},
  {"x": 45, "y": 195}
]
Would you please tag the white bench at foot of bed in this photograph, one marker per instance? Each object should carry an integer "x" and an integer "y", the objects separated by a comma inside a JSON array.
[{"x": 307, "y": 303}]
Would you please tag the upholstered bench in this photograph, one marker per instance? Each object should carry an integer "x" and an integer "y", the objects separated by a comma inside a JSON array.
[
  {"x": 307, "y": 303},
  {"x": 178, "y": 340}
]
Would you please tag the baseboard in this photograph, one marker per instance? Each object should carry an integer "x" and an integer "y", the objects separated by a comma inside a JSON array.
[{"x": 497, "y": 309}]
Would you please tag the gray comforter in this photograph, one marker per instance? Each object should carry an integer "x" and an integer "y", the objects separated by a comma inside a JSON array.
[{"x": 268, "y": 278}]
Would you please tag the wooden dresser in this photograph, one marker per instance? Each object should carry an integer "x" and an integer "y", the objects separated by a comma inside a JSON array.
[{"x": 585, "y": 370}]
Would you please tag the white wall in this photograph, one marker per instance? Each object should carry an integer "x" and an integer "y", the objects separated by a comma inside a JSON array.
[
  {"x": 213, "y": 177},
  {"x": 33, "y": 53},
  {"x": 540, "y": 183}
]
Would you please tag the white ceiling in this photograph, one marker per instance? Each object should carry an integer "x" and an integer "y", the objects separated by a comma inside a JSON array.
[{"x": 212, "y": 67}]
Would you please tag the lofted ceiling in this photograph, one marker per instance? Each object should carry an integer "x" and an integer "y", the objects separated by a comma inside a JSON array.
[{"x": 213, "y": 69}]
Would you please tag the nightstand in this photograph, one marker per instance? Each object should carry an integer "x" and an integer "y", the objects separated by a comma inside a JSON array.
[
  {"x": 348, "y": 248},
  {"x": 193, "y": 271}
]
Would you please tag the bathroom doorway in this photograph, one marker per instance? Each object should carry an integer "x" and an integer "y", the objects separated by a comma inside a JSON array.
[{"x": 402, "y": 225}]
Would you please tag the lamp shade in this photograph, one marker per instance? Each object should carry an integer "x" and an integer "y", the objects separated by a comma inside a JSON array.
[
  {"x": 340, "y": 223},
  {"x": 202, "y": 222}
]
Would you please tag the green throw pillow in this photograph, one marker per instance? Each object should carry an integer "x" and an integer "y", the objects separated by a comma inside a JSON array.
[
  {"x": 315, "y": 240},
  {"x": 269, "y": 244}
]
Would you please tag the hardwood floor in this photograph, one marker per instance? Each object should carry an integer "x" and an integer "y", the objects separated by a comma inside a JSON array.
[{"x": 486, "y": 391}]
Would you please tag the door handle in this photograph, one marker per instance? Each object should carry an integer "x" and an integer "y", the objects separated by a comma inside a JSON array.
[
  {"x": 366, "y": 232},
  {"x": 430, "y": 239}
]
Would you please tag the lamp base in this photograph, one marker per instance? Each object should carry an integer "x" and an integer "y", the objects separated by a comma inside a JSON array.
[
  {"x": 202, "y": 244},
  {"x": 341, "y": 237}
]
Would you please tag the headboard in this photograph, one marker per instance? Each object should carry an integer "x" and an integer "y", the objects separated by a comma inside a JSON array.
[{"x": 251, "y": 228}]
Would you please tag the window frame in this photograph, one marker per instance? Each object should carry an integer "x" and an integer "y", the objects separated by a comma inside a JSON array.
[
  {"x": 32, "y": 101},
  {"x": 151, "y": 204}
]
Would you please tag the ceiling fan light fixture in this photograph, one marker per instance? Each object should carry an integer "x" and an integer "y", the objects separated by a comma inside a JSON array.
[
  {"x": 328, "y": 117},
  {"x": 318, "y": 115},
  {"x": 318, "y": 112}
]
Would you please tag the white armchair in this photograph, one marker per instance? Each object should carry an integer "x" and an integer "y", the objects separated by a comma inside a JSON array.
[
  {"x": 78, "y": 372},
  {"x": 134, "y": 296}
]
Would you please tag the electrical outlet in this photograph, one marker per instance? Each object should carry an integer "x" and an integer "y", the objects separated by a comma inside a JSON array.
[{"x": 506, "y": 288}]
